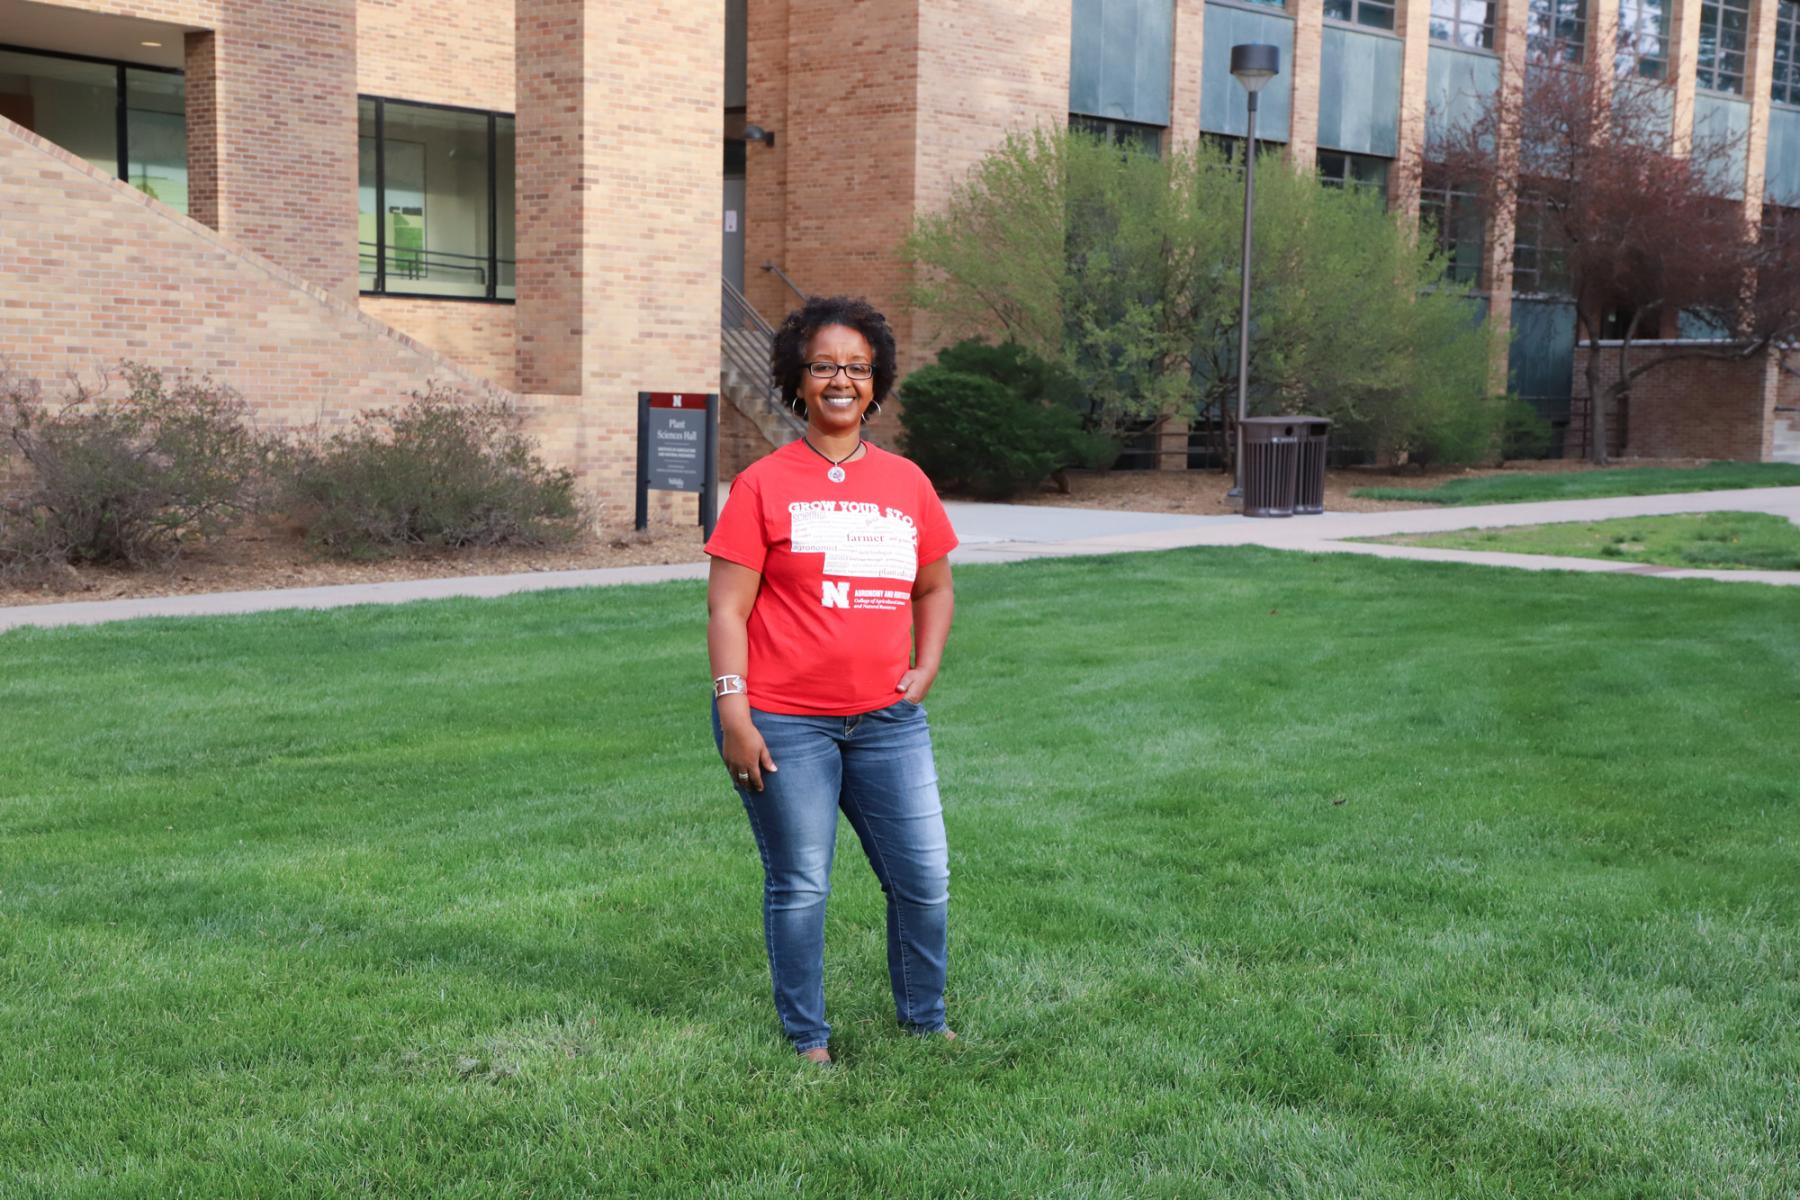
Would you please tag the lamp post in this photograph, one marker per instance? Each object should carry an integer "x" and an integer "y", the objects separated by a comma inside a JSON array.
[{"x": 1252, "y": 64}]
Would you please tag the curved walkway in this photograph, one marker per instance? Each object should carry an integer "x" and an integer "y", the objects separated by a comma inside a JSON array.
[{"x": 1015, "y": 532}]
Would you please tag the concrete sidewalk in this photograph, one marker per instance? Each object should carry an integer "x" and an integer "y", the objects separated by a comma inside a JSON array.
[{"x": 1015, "y": 532}]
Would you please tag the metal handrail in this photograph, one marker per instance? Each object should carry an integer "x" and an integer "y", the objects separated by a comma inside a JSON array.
[
  {"x": 406, "y": 262},
  {"x": 782, "y": 275},
  {"x": 746, "y": 343},
  {"x": 736, "y": 316}
]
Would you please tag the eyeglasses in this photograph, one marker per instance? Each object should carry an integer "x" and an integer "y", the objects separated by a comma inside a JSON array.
[{"x": 820, "y": 369}]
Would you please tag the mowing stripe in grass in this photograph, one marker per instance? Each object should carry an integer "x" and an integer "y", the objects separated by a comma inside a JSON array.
[{"x": 1271, "y": 875}]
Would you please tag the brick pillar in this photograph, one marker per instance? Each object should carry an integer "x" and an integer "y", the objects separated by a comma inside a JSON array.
[
  {"x": 1303, "y": 126},
  {"x": 1184, "y": 92},
  {"x": 765, "y": 166},
  {"x": 1502, "y": 224},
  {"x": 1412, "y": 20},
  {"x": 876, "y": 101},
  {"x": 1020, "y": 55},
  {"x": 549, "y": 194},
  {"x": 1759, "y": 75},
  {"x": 1684, "y": 61},
  {"x": 271, "y": 129},
  {"x": 619, "y": 199}
]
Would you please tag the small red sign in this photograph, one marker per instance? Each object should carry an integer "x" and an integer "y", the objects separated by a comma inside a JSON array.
[{"x": 677, "y": 399}]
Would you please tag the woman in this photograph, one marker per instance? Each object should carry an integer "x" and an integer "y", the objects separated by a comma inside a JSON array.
[{"x": 829, "y": 603}]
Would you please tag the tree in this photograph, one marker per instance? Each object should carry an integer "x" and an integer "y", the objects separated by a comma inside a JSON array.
[
  {"x": 1642, "y": 222},
  {"x": 1121, "y": 267}
]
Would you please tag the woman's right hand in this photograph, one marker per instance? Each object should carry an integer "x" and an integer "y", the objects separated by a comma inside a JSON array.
[{"x": 746, "y": 755}]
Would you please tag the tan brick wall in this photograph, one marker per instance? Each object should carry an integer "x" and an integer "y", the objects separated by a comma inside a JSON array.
[
  {"x": 271, "y": 123},
  {"x": 986, "y": 67},
  {"x": 1303, "y": 125},
  {"x": 441, "y": 51},
  {"x": 1697, "y": 408},
  {"x": 477, "y": 336},
  {"x": 765, "y": 166},
  {"x": 93, "y": 271},
  {"x": 891, "y": 105},
  {"x": 1412, "y": 21},
  {"x": 1184, "y": 92},
  {"x": 619, "y": 125}
]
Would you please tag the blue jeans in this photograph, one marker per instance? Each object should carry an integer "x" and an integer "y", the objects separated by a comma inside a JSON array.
[{"x": 878, "y": 768}]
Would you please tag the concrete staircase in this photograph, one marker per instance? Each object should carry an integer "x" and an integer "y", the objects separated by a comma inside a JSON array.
[
  {"x": 745, "y": 341},
  {"x": 1787, "y": 436}
]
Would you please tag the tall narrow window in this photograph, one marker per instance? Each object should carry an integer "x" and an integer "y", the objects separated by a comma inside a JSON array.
[
  {"x": 1539, "y": 264},
  {"x": 1785, "y": 89},
  {"x": 432, "y": 220},
  {"x": 1643, "y": 48},
  {"x": 1555, "y": 30},
  {"x": 1362, "y": 172},
  {"x": 1724, "y": 37},
  {"x": 156, "y": 135},
  {"x": 1467, "y": 23},
  {"x": 1376, "y": 14},
  {"x": 1147, "y": 138},
  {"x": 1453, "y": 214}
]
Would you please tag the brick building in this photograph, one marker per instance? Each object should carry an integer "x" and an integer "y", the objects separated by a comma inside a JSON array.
[{"x": 329, "y": 202}]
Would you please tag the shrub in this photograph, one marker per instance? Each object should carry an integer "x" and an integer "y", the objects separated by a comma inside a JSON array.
[
  {"x": 971, "y": 434},
  {"x": 1032, "y": 380},
  {"x": 444, "y": 470},
  {"x": 1524, "y": 433},
  {"x": 125, "y": 481}
]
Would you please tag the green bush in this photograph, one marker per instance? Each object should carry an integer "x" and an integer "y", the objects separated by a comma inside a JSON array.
[
  {"x": 1524, "y": 433},
  {"x": 124, "y": 481},
  {"x": 443, "y": 471},
  {"x": 1034, "y": 381},
  {"x": 972, "y": 434}
]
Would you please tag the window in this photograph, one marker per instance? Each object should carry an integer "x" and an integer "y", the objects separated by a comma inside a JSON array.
[
  {"x": 1376, "y": 14},
  {"x": 1643, "y": 48},
  {"x": 1119, "y": 133},
  {"x": 1555, "y": 30},
  {"x": 1786, "y": 88},
  {"x": 1454, "y": 216},
  {"x": 1232, "y": 147},
  {"x": 435, "y": 200},
  {"x": 128, "y": 121},
  {"x": 1464, "y": 23},
  {"x": 1724, "y": 35},
  {"x": 1361, "y": 171},
  {"x": 1539, "y": 264}
]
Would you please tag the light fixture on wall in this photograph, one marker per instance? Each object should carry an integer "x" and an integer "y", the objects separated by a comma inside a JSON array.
[
  {"x": 756, "y": 133},
  {"x": 152, "y": 45}
]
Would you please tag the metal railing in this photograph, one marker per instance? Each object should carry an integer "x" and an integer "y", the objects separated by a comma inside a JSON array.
[
  {"x": 745, "y": 344},
  {"x": 404, "y": 263},
  {"x": 783, "y": 276}
]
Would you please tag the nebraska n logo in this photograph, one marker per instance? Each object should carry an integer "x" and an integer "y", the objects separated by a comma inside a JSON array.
[{"x": 836, "y": 595}]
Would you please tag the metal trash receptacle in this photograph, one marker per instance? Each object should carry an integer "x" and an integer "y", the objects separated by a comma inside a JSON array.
[
  {"x": 1309, "y": 484},
  {"x": 1271, "y": 463}
]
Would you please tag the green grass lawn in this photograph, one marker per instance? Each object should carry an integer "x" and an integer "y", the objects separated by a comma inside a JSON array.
[
  {"x": 1589, "y": 485},
  {"x": 1752, "y": 541},
  {"x": 1272, "y": 876}
]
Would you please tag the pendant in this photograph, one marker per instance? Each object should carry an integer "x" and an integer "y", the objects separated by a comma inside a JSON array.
[{"x": 836, "y": 474}]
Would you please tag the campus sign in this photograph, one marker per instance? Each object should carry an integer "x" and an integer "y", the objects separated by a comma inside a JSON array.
[{"x": 678, "y": 450}]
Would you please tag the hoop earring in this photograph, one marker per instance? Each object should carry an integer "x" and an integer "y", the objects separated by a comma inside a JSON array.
[{"x": 874, "y": 409}]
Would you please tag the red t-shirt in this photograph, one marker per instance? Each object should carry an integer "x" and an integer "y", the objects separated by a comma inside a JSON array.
[{"x": 831, "y": 630}]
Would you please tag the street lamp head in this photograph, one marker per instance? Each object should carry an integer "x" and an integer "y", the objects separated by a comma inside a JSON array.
[{"x": 1254, "y": 64}]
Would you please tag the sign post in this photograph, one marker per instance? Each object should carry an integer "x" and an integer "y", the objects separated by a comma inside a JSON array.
[{"x": 678, "y": 450}]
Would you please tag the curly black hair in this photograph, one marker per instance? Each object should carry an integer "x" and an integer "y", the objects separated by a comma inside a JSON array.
[{"x": 788, "y": 357}]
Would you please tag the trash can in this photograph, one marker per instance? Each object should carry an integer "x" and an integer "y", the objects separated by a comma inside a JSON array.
[
  {"x": 1309, "y": 486},
  {"x": 1271, "y": 459}
]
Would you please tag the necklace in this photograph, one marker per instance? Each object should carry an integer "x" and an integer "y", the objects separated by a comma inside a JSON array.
[{"x": 836, "y": 474}]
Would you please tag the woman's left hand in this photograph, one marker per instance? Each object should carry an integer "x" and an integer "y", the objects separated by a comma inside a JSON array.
[{"x": 914, "y": 684}]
